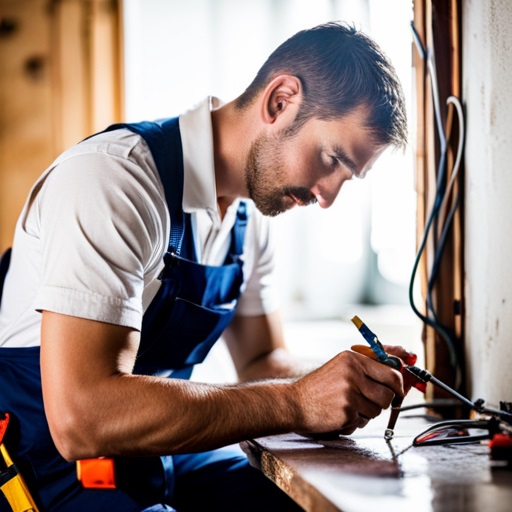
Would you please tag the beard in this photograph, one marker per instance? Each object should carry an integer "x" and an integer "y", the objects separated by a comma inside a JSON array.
[{"x": 264, "y": 176}]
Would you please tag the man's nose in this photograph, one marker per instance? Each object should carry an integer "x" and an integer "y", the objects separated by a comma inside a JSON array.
[{"x": 327, "y": 189}]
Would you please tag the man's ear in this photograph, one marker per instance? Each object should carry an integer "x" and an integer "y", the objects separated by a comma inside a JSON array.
[{"x": 283, "y": 95}]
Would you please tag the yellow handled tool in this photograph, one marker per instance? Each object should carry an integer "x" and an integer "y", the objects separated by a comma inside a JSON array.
[{"x": 12, "y": 484}]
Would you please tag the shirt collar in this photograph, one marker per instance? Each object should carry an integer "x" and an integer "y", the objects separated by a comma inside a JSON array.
[{"x": 199, "y": 189}]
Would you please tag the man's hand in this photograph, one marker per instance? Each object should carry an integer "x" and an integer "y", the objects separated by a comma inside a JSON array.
[
  {"x": 347, "y": 391},
  {"x": 342, "y": 395}
]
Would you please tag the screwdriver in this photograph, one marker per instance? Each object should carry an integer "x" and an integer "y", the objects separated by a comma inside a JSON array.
[
  {"x": 377, "y": 352},
  {"x": 415, "y": 377}
]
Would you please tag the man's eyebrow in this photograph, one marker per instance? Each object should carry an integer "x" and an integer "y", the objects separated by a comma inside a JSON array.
[{"x": 340, "y": 154}]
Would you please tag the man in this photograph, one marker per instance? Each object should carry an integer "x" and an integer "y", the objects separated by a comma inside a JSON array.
[{"x": 115, "y": 316}]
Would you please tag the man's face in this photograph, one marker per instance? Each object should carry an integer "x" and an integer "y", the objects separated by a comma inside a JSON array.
[{"x": 310, "y": 166}]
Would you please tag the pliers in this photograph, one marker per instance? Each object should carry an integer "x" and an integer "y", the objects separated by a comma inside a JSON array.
[{"x": 376, "y": 351}]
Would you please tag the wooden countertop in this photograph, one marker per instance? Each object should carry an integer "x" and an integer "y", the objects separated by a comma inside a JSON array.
[{"x": 364, "y": 473}]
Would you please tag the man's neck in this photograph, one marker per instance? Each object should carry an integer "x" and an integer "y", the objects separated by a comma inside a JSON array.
[{"x": 231, "y": 142}]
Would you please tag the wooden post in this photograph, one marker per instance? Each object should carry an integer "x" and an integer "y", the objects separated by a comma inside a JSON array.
[
  {"x": 60, "y": 81},
  {"x": 437, "y": 23}
]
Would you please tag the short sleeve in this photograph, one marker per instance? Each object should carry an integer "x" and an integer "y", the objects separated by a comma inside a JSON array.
[
  {"x": 102, "y": 230},
  {"x": 259, "y": 294}
]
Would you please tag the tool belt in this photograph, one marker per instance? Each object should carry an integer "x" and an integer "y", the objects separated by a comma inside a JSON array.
[
  {"x": 12, "y": 485},
  {"x": 98, "y": 473}
]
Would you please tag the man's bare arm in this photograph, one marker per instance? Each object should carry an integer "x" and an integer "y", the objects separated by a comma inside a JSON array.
[
  {"x": 96, "y": 407},
  {"x": 257, "y": 346}
]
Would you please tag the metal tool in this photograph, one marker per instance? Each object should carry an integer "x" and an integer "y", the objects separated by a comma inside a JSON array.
[
  {"x": 419, "y": 380},
  {"x": 377, "y": 352},
  {"x": 374, "y": 342},
  {"x": 477, "y": 405}
]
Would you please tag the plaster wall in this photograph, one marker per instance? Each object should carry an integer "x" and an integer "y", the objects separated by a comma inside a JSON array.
[{"x": 487, "y": 92}]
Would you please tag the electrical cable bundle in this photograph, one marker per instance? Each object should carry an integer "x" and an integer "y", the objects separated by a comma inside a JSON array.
[{"x": 438, "y": 212}]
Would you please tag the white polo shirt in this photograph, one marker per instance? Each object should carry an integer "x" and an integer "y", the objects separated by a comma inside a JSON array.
[{"x": 91, "y": 237}]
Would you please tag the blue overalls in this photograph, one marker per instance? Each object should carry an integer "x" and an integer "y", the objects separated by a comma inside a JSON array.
[{"x": 189, "y": 313}]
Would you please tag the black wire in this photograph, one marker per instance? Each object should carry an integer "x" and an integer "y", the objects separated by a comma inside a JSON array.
[
  {"x": 435, "y": 211},
  {"x": 442, "y": 241},
  {"x": 427, "y": 320},
  {"x": 439, "y": 247},
  {"x": 451, "y": 214}
]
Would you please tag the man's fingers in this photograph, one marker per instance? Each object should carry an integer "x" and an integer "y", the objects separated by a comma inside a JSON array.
[
  {"x": 369, "y": 409},
  {"x": 346, "y": 393},
  {"x": 359, "y": 422},
  {"x": 406, "y": 356},
  {"x": 382, "y": 382}
]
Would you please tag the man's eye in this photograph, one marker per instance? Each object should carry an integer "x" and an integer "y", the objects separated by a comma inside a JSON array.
[{"x": 334, "y": 161}]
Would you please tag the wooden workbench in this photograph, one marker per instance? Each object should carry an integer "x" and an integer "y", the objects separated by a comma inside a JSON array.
[{"x": 364, "y": 473}]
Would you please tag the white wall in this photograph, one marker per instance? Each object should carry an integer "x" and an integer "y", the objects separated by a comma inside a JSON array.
[{"x": 487, "y": 91}]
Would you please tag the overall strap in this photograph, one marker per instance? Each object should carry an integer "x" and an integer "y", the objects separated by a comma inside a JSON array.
[
  {"x": 4, "y": 267},
  {"x": 164, "y": 141},
  {"x": 238, "y": 232}
]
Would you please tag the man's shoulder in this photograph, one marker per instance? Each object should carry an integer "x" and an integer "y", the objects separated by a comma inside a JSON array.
[
  {"x": 109, "y": 155},
  {"x": 120, "y": 143}
]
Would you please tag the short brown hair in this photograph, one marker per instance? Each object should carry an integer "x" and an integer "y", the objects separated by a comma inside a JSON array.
[{"x": 340, "y": 69}]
